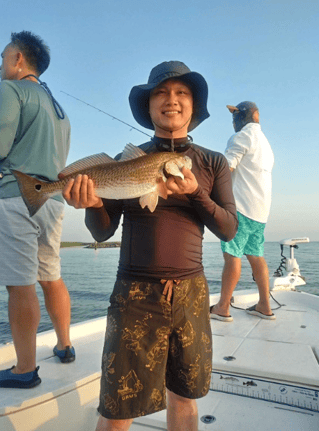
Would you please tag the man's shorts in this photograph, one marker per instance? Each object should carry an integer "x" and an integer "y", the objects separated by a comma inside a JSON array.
[
  {"x": 29, "y": 246},
  {"x": 152, "y": 344},
  {"x": 249, "y": 239}
]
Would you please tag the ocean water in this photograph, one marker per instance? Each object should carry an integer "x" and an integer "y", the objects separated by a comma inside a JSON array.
[{"x": 90, "y": 275}]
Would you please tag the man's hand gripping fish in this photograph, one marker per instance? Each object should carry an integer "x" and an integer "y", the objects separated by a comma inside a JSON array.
[{"x": 135, "y": 175}]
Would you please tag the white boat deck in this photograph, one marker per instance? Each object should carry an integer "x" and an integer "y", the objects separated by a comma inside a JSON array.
[
  {"x": 271, "y": 384},
  {"x": 285, "y": 349}
]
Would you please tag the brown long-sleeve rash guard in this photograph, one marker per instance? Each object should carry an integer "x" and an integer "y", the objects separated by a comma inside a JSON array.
[{"x": 167, "y": 244}]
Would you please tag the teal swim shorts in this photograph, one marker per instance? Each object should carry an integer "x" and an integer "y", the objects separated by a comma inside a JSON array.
[{"x": 248, "y": 240}]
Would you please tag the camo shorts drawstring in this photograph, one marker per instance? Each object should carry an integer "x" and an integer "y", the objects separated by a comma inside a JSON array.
[{"x": 168, "y": 289}]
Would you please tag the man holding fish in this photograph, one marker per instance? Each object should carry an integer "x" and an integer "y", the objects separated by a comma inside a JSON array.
[
  {"x": 158, "y": 341},
  {"x": 35, "y": 139}
]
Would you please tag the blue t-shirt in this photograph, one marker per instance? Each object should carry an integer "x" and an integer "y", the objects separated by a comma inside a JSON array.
[{"x": 33, "y": 139}]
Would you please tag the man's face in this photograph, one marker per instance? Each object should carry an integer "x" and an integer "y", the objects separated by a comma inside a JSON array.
[
  {"x": 171, "y": 108},
  {"x": 9, "y": 63}
]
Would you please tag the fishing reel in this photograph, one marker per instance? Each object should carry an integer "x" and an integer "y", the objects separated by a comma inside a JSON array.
[{"x": 287, "y": 276}]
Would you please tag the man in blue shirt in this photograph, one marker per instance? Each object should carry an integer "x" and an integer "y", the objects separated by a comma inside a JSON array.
[{"x": 35, "y": 139}]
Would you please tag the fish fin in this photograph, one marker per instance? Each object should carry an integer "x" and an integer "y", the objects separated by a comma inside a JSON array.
[
  {"x": 30, "y": 189},
  {"x": 173, "y": 169},
  {"x": 149, "y": 200},
  {"x": 131, "y": 152},
  {"x": 87, "y": 162},
  {"x": 161, "y": 188},
  {"x": 188, "y": 162}
]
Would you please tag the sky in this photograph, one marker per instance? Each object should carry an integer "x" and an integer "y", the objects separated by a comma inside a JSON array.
[{"x": 261, "y": 51}]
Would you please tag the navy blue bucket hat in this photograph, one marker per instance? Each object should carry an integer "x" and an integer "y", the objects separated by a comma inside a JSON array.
[{"x": 140, "y": 94}]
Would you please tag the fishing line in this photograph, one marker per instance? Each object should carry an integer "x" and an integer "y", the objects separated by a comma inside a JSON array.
[{"x": 103, "y": 112}]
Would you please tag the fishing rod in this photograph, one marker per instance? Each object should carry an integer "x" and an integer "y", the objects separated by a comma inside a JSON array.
[{"x": 103, "y": 112}]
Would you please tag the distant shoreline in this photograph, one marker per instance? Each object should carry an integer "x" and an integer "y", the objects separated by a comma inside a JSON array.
[
  {"x": 66, "y": 244},
  {"x": 94, "y": 245}
]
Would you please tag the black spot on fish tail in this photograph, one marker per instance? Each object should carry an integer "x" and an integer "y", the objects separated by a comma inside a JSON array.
[{"x": 31, "y": 191}]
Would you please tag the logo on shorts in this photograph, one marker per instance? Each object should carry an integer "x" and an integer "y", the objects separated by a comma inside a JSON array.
[
  {"x": 136, "y": 293},
  {"x": 107, "y": 362},
  {"x": 200, "y": 299},
  {"x": 186, "y": 335},
  {"x": 190, "y": 377},
  {"x": 157, "y": 399},
  {"x": 207, "y": 342},
  {"x": 157, "y": 353},
  {"x": 111, "y": 405},
  {"x": 130, "y": 385},
  {"x": 134, "y": 336}
]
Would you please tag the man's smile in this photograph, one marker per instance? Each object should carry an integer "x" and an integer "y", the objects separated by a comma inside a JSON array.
[{"x": 170, "y": 112}]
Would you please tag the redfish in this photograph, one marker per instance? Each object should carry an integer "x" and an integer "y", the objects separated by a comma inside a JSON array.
[{"x": 135, "y": 175}]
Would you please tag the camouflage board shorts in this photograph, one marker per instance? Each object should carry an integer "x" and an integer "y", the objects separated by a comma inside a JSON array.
[{"x": 152, "y": 344}]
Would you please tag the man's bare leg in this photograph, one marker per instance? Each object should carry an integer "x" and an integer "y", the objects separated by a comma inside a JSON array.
[
  {"x": 24, "y": 318},
  {"x": 58, "y": 305},
  {"x": 113, "y": 425},
  {"x": 230, "y": 278},
  {"x": 182, "y": 413},
  {"x": 261, "y": 275}
]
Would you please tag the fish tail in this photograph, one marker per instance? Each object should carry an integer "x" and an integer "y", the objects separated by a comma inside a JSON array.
[{"x": 31, "y": 191}]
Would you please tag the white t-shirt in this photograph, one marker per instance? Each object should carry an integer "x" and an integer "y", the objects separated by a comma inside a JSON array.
[{"x": 249, "y": 153}]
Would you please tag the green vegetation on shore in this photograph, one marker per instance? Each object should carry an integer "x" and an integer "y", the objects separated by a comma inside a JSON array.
[{"x": 71, "y": 244}]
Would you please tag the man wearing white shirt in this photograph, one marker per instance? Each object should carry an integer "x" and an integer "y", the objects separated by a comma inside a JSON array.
[{"x": 251, "y": 160}]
